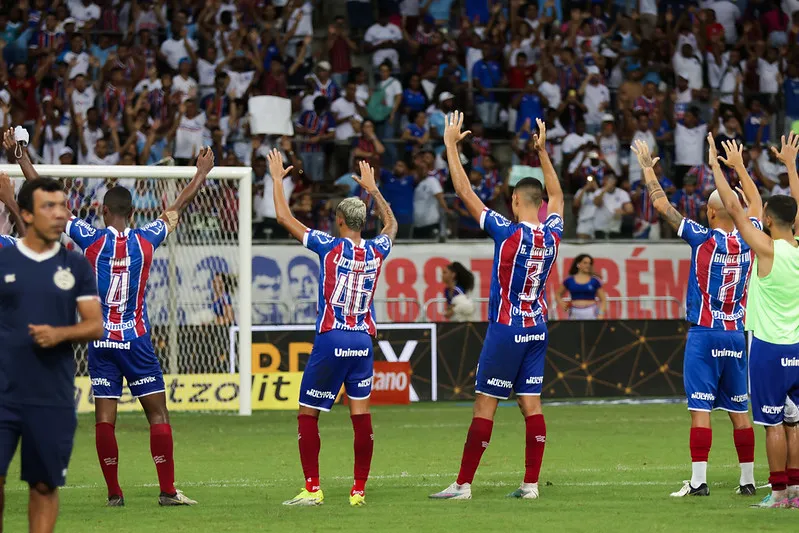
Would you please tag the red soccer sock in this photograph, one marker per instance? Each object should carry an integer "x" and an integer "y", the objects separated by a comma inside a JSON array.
[
  {"x": 745, "y": 444},
  {"x": 108, "y": 453},
  {"x": 364, "y": 447},
  {"x": 310, "y": 443},
  {"x": 793, "y": 476},
  {"x": 161, "y": 448},
  {"x": 476, "y": 442},
  {"x": 535, "y": 441},
  {"x": 700, "y": 441},
  {"x": 778, "y": 480}
]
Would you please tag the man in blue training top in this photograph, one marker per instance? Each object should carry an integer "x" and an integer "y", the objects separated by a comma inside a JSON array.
[{"x": 43, "y": 287}]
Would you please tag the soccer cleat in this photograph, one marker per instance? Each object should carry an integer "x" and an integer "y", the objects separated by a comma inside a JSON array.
[
  {"x": 307, "y": 498},
  {"x": 115, "y": 501},
  {"x": 357, "y": 499},
  {"x": 527, "y": 491},
  {"x": 746, "y": 490},
  {"x": 770, "y": 502},
  {"x": 794, "y": 503},
  {"x": 170, "y": 500},
  {"x": 688, "y": 490},
  {"x": 454, "y": 492}
]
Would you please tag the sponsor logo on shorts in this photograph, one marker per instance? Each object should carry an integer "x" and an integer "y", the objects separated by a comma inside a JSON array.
[
  {"x": 703, "y": 396},
  {"x": 719, "y": 315},
  {"x": 727, "y": 353},
  {"x": 142, "y": 381},
  {"x": 321, "y": 395},
  {"x": 772, "y": 409},
  {"x": 100, "y": 382},
  {"x": 535, "y": 380},
  {"x": 346, "y": 352},
  {"x": 530, "y": 338},
  {"x": 496, "y": 382},
  {"x": 741, "y": 398},
  {"x": 790, "y": 361},
  {"x": 365, "y": 382},
  {"x": 112, "y": 344}
]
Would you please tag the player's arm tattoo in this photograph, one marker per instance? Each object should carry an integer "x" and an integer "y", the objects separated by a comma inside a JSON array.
[
  {"x": 661, "y": 203},
  {"x": 385, "y": 214}
]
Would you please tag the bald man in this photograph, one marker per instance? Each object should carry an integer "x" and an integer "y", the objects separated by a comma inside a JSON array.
[{"x": 714, "y": 367}]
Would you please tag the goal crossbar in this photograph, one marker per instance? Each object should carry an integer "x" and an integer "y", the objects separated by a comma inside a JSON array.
[{"x": 244, "y": 177}]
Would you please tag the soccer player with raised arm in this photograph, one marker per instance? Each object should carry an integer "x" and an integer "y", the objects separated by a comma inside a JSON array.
[
  {"x": 512, "y": 358},
  {"x": 43, "y": 288},
  {"x": 772, "y": 315},
  {"x": 714, "y": 368},
  {"x": 121, "y": 258},
  {"x": 7, "y": 199},
  {"x": 342, "y": 351}
]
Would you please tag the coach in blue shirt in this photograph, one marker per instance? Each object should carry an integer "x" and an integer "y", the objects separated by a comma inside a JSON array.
[{"x": 43, "y": 287}]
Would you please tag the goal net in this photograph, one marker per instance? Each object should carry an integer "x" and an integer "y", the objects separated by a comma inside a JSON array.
[{"x": 200, "y": 279}]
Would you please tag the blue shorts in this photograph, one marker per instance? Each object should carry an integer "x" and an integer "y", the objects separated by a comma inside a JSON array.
[
  {"x": 337, "y": 358},
  {"x": 47, "y": 434},
  {"x": 512, "y": 358},
  {"x": 774, "y": 376},
  {"x": 714, "y": 370},
  {"x": 135, "y": 359}
]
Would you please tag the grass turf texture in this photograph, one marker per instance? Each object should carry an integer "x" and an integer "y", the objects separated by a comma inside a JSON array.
[{"x": 606, "y": 468}]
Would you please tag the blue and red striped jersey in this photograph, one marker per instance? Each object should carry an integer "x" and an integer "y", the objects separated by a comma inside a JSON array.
[
  {"x": 7, "y": 240},
  {"x": 523, "y": 256},
  {"x": 348, "y": 274},
  {"x": 721, "y": 264},
  {"x": 121, "y": 262}
]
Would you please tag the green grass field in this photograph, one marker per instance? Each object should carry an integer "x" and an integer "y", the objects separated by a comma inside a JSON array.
[{"x": 606, "y": 468}]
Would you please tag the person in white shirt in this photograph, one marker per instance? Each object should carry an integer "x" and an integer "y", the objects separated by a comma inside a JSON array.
[
  {"x": 609, "y": 143},
  {"x": 348, "y": 114},
  {"x": 82, "y": 96},
  {"x": 174, "y": 49},
  {"x": 583, "y": 203},
  {"x": 727, "y": 14},
  {"x": 648, "y": 17},
  {"x": 85, "y": 13},
  {"x": 574, "y": 141},
  {"x": 183, "y": 83},
  {"x": 77, "y": 58},
  {"x": 612, "y": 204},
  {"x": 689, "y": 145},
  {"x": 189, "y": 134},
  {"x": 427, "y": 198},
  {"x": 730, "y": 73},
  {"x": 769, "y": 69},
  {"x": 596, "y": 98},
  {"x": 642, "y": 133},
  {"x": 687, "y": 64},
  {"x": 549, "y": 88},
  {"x": 206, "y": 71},
  {"x": 382, "y": 40},
  {"x": 242, "y": 71}
]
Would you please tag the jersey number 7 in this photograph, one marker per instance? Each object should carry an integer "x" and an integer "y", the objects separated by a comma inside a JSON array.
[{"x": 353, "y": 293}]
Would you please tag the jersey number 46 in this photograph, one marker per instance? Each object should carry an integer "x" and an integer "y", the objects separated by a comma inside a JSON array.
[{"x": 353, "y": 293}]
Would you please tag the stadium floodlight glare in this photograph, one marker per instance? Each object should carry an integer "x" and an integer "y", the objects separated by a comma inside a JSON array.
[{"x": 201, "y": 250}]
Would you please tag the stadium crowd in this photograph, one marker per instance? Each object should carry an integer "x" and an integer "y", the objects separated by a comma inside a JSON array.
[{"x": 110, "y": 82}]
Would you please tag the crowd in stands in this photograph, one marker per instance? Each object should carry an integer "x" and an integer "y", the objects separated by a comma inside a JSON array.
[{"x": 107, "y": 82}]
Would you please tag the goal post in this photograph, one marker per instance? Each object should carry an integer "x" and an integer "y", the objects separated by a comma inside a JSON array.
[{"x": 212, "y": 236}]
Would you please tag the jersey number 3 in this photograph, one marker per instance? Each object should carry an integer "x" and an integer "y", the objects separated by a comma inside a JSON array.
[
  {"x": 117, "y": 295},
  {"x": 532, "y": 280},
  {"x": 353, "y": 293}
]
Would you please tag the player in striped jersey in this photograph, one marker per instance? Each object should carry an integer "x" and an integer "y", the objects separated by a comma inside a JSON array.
[
  {"x": 349, "y": 268},
  {"x": 121, "y": 258},
  {"x": 512, "y": 358},
  {"x": 714, "y": 369}
]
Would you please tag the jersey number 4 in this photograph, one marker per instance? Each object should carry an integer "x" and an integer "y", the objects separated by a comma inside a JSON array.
[
  {"x": 117, "y": 295},
  {"x": 532, "y": 280},
  {"x": 353, "y": 293}
]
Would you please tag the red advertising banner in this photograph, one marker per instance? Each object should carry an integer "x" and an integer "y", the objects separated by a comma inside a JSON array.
[{"x": 391, "y": 384}]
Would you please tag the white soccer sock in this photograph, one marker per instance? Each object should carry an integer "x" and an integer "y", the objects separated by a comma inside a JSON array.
[
  {"x": 747, "y": 474},
  {"x": 698, "y": 473},
  {"x": 529, "y": 486}
]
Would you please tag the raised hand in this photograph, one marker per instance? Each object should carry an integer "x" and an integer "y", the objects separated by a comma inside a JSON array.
[
  {"x": 735, "y": 154},
  {"x": 205, "y": 162},
  {"x": 540, "y": 138},
  {"x": 9, "y": 141},
  {"x": 452, "y": 129},
  {"x": 276, "y": 169},
  {"x": 367, "y": 177},
  {"x": 6, "y": 189},
  {"x": 788, "y": 151},
  {"x": 712, "y": 154},
  {"x": 641, "y": 151}
]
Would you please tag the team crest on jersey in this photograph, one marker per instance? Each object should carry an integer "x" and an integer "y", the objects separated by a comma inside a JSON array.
[
  {"x": 156, "y": 226},
  {"x": 64, "y": 279},
  {"x": 323, "y": 238},
  {"x": 500, "y": 220},
  {"x": 84, "y": 229}
]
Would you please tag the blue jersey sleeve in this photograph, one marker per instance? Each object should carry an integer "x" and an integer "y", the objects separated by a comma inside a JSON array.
[
  {"x": 85, "y": 280},
  {"x": 555, "y": 224},
  {"x": 83, "y": 233},
  {"x": 7, "y": 240},
  {"x": 498, "y": 227},
  {"x": 318, "y": 241},
  {"x": 756, "y": 223},
  {"x": 569, "y": 284},
  {"x": 692, "y": 232},
  {"x": 155, "y": 232},
  {"x": 382, "y": 245}
]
